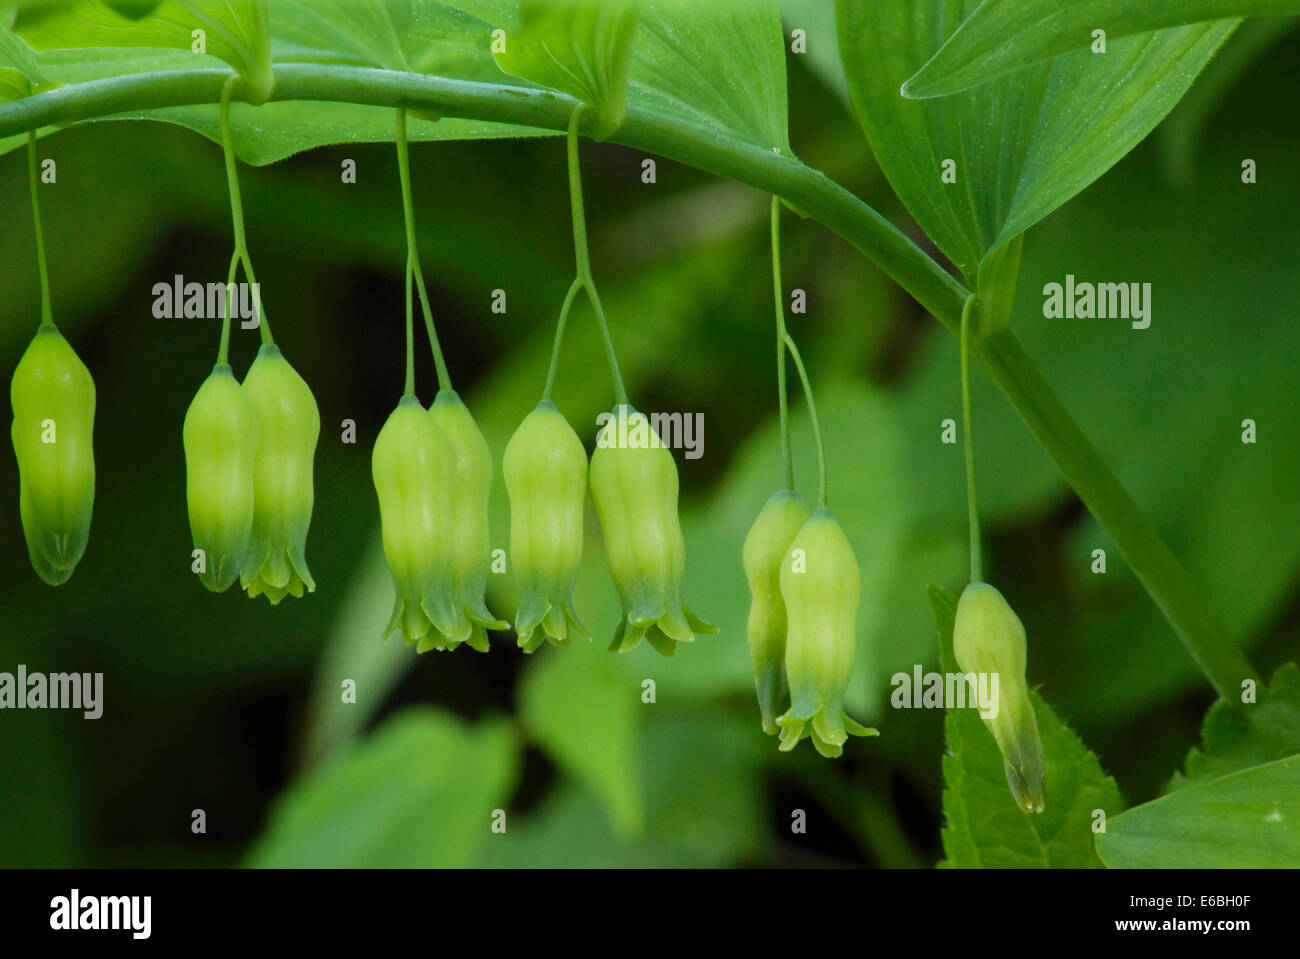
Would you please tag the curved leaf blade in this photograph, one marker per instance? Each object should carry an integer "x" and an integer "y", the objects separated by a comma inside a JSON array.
[
  {"x": 579, "y": 47},
  {"x": 1257, "y": 733},
  {"x": 585, "y": 713},
  {"x": 1005, "y": 35},
  {"x": 235, "y": 31},
  {"x": 1019, "y": 146},
  {"x": 418, "y": 793},
  {"x": 1249, "y": 819},
  {"x": 719, "y": 65}
]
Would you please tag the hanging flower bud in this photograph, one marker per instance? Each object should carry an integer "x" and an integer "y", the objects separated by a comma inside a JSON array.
[
  {"x": 288, "y": 426},
  {"x": 53, "y": 399},
  {"x": 413, "y": 468},
  {"x": 820, "y": 584},
  {"x": 766, "y": 548},
  {"x": 546, "y": 477},
  {"x": 634, "y": 485},
  {"x": 988, "y": 638},
  {"x": 468, "y": 540},
  {"x": 220, "y": 436}
]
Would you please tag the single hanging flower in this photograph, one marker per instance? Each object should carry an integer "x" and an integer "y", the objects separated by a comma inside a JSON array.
[
  {"x": 634, "y": 486},
  {"x": 53, "y": 397},
  {"x": 288, "y": 425},
  {"x": 820, "y": 585},
  {"x": 988, "y": 638},
  {"x": 546, "y": 477},
  {"x": 468, "y": 541},
  {"x": 766, "y": 548},
  {"x": 413, "y": 466},
  {"x": 220, "y": 436}
]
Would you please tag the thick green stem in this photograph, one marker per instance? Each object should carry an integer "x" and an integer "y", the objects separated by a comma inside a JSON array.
[
  {"x": 787, "y": 461},
  {"x": 968, "y": 429},
  {"x": 33, "y": 180},
  {"x": 237, "y": 212},
  {"x": 723, "y": 155},
  {"x": 413, "y": 252}
]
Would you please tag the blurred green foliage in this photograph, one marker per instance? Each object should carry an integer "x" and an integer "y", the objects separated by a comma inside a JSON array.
[{"x": 218, "y": 703}]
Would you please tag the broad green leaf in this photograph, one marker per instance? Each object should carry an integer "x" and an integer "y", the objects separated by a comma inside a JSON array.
[
  {"x": 585, "y": 712},
  {"x": 719, "y": 65},
  {"x": 19, "y": 72},
  {"x": 235, "y": 31},
  {"x": 1018, "y": 147},
  {"x": 281, "y": 129},
  {"x": 1249, "y": 819},
  {"x": 359, "y": 31},
  {"x": 423, "y": 36},
  {"x": 985, "y": 828},
  {"x": 1005, "y": 35},
  {"x": 698, "y": 813},
  {"x": 579, "y": 47},
  {"x": 353, "y": 652},
  {"x": 419, "y": 793},
  {"x": 1257, "y": 733}
]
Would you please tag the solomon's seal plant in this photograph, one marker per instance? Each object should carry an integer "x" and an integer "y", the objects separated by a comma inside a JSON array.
[
  {"x": 433, "y": 475},
  {"x": 802, "y": 639},
  {"x": 989, "y": 639},
  {"x": 633, "y": 479},
  {"x": 820, "y": 585},
  {"x": 546, "y": 478},
  {"x": 634, "y": 487},
  {"x": 53, "y": 399},
  {"x": 220, "y": 437},
  {"x": 465, "y": 519},
  {"x": 766, "y": 547},
  {"x": 412, "y": 465},
  {"x": 651, "y": 77},
  {"x": 288, "y": 425}
]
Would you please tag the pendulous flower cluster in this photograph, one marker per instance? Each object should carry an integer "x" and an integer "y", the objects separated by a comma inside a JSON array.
[
  {"x": 804, "y": 585},
  {"x": 433, "y": 474},
  {"x": 249, "y": 450}
]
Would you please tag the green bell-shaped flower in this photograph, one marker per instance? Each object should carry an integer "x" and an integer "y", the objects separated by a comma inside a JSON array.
[
  {"x": 820, "y": 585},
  {"x": 634, "y": 486},
  {"x": 988, "y": 638},
  {"x": 288, "y": 424},
  {"x": 220, "y": 436},
  {"x": 546, "y": 477},
  {"x": 766, "y": 547},
  {"x": 53, "y": 399},
  {"x": 468, "y": 540},
  {"x": 414, "y": 466}
]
